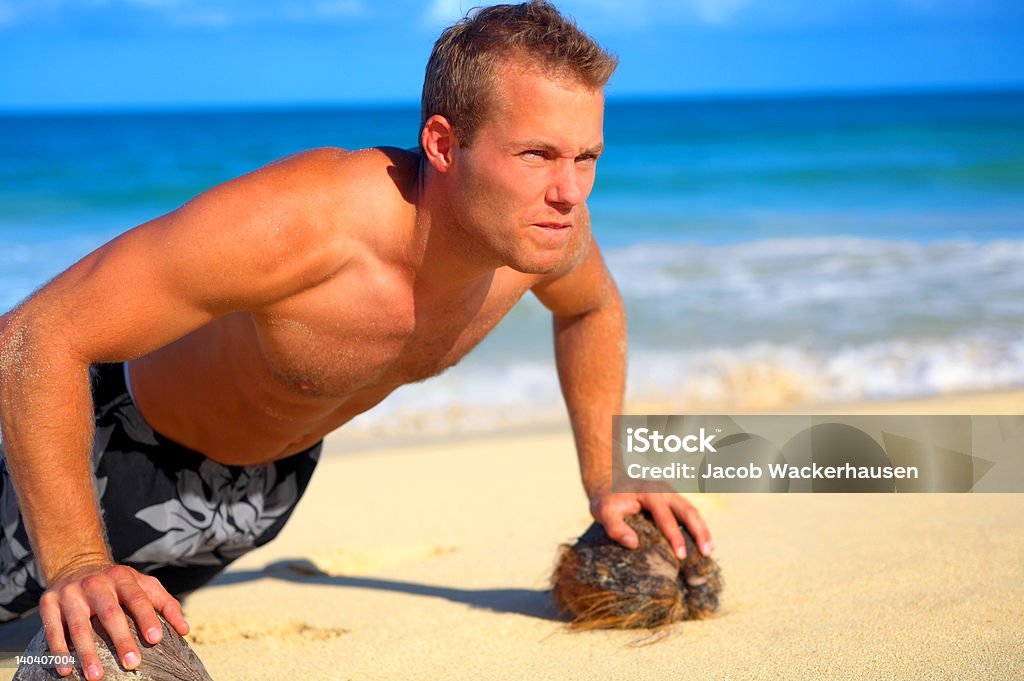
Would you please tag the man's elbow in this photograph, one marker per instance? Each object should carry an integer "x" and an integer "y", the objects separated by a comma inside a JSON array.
[
  {"x": 27, "y": 344},
  {"x": 609, "y": 313}
]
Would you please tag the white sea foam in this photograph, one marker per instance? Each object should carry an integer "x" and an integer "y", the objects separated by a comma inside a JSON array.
[
  {"x": 761, "y": 325},
  {"x": 758, "y": 376}
]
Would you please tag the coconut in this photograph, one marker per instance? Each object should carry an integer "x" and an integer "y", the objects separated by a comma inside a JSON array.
[
  {"x": 169, "y": 660},
  {"x": 600, "y": 584}
]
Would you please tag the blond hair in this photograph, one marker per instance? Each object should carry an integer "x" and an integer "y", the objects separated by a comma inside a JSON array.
[{"x": 461, "y": 78}]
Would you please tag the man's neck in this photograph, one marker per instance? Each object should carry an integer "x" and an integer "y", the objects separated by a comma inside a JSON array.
[{"x": 445, "y": 258}]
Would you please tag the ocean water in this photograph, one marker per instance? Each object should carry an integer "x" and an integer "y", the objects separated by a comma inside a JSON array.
[{"x": 770, "y": 251}]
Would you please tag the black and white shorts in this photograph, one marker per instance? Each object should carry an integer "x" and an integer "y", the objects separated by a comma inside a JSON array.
[{"x": 169, "y": 511}]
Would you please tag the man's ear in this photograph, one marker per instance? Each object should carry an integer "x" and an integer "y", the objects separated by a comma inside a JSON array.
[{"x": 438, "y": 140}]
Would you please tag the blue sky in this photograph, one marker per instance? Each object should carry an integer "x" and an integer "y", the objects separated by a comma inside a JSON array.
[{"x": 96, "y": 54}]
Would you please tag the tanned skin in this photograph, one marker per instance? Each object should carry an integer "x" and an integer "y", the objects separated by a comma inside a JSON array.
[{"x": 272, "y": 309}]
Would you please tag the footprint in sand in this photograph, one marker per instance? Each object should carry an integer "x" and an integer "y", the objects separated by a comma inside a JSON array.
[
  {"x": 227, "y": 632},
  {"x": 349, "y": 562}
]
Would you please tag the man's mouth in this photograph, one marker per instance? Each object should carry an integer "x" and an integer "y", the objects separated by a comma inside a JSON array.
[{"x": 553, "y": 225}]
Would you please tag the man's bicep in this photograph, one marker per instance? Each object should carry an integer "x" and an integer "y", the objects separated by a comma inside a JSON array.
[
  {"x": 122, "y": 300},
  {"x": 586, "y": 287}
]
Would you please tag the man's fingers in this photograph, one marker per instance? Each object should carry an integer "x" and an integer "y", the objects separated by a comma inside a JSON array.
[
  {"x": 610, "y": 511},
  {"x": 140, "y": 605},
  {"x": 174, "y": 616},
  {"x": 112, "y": 618},
  {"x": 666, "y": 521},
  {"x": 53, "y": 625},
  {"x": 690, "y": 517},
  {"x": 617, "y": 529},
  {"x": 166, "y": 604},
  {"x": 77, "y": 613}
]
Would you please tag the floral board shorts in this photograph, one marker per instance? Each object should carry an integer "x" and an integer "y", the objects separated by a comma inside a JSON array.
[{"x": 169, "y": 511}]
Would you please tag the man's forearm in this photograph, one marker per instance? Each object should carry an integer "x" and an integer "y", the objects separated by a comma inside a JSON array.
[
  {"x": 47, "y": 425},
  {"x": 590, "y": 350}
]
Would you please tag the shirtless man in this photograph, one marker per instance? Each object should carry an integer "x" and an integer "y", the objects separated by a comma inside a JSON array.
[{"x": 272, "y": 309}]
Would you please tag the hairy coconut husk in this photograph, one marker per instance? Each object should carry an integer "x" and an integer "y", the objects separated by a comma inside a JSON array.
[
  {"x": 169, "y": 660},
  {"x": 600, "y": 584}
]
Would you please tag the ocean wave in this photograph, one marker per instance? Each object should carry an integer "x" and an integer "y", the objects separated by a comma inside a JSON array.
[
  {"x": 715, "y": 380},
  {"x": 819, "y": 292}
]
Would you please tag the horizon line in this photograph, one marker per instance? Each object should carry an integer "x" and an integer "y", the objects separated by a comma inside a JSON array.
[{"x": 129, "y": 108}]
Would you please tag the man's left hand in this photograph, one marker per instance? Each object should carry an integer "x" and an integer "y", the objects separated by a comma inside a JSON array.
[{"x": 668, "y": 509}]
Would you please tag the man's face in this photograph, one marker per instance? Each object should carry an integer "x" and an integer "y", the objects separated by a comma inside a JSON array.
[{"x": 522, "y": 182}]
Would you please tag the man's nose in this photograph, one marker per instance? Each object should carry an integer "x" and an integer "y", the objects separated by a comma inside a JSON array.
[{"x": 569, "y": 187}]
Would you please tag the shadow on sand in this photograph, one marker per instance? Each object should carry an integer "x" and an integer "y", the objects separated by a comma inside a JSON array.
[
  {"x": 529, "y": 602},
  {"x": 14, "y": 636}
]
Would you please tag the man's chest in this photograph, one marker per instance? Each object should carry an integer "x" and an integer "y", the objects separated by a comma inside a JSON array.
[{"x": 362, "y": 335}]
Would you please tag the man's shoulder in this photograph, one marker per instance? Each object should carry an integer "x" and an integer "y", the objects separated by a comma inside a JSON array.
[
  {"x": 330, "y": 185},
  {"x": 374, "y": 168},
  {"x": 302, "y": 217}
]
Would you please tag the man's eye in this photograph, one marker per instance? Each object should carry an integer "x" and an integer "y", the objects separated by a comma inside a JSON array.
[{"x": 536, "y": 153}]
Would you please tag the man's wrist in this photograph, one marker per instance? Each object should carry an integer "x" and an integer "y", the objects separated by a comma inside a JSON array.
[
  {"x": 597, "y": 487},
  {"x": 77, "y": 563}
]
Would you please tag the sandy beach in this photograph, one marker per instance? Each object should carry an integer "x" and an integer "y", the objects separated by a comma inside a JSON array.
[{"x": 431, "y": 562}]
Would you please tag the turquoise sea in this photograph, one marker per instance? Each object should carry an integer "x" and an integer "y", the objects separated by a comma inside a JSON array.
[{"x": 770, "y": 250}]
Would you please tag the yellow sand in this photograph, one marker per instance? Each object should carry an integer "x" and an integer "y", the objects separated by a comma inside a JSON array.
[{"x": 431, "y": 562}]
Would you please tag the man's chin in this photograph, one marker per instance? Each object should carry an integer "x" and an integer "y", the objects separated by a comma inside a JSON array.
[{"x": 537, "y": 265}]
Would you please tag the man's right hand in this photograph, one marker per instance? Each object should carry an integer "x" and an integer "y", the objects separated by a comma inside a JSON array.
[{"x": 99, "y": 589}]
